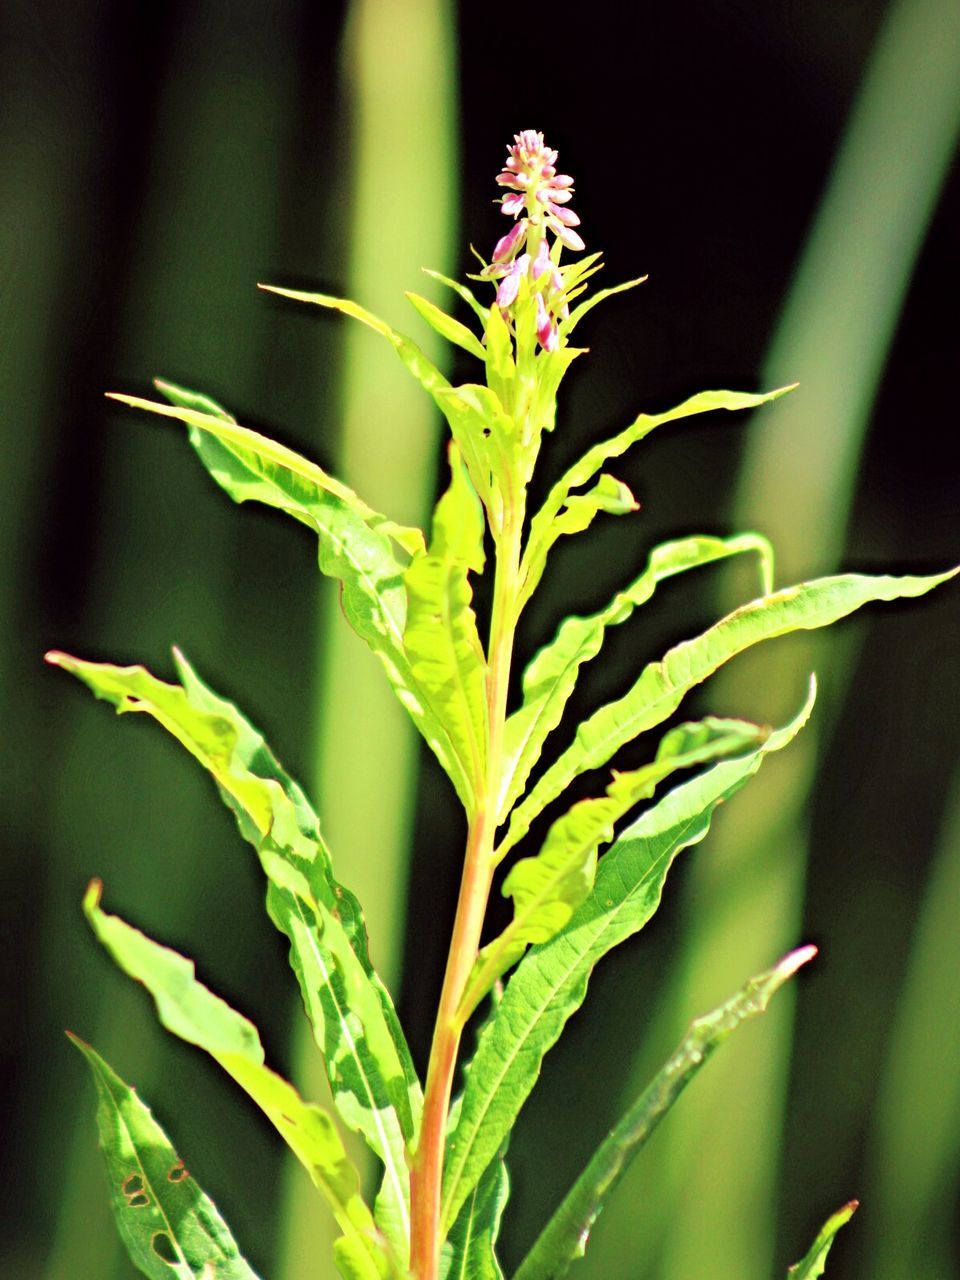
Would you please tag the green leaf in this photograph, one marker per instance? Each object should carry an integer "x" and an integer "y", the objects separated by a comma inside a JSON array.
[
  {"x": 550, "y": 678},
  {"x": 812, "y": 1266},
  {"x": 169, "y": 1225},
  {"x": 441, "y": 636},
  {"x": 355, "y": 544},
  {"x": 576, "y": 514},
  {"x": 483, "y": 432},
  {"x": 576, "y": 315},
  {"x": 582, "y": 472},
  {"x": 448, "y": 327},
  {"x": 551, "y": 981},
  {"x": 661, "y": 686},
  {"x": 280, "y": 477},
  {"x": 189, "y": 1010},
  {"x": 371, "y": 1075},
  {"x": 480, "y": 311},
  {"x": 426, "y": 373},
  {"x": 565, "y": 1236},
  {"x": 547, "y": 889},
  {"x": 468, "y": 1253}
]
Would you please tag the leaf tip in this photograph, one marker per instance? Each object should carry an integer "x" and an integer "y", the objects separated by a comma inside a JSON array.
[
  {"x": 789, "y": 965},
  {"x": 92, "y": 896}
]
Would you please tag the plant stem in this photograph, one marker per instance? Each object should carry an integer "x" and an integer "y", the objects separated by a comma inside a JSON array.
[{"x": 427, "y": 1172}]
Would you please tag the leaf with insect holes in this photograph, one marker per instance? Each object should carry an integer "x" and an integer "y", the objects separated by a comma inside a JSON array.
[
  {"x": 582, "y": 472},
  {"x": 550, "y": 678},
  {"x": 374, "y": 1085},
  {"x": 170, "y": 1227},
  {"x": 662, "y": 685},
  {"x": 191, "y": 1011},
  {"x": 547, "y": 889},
  {"x": 564, "y": 1238},
  {"x": 551, "y": 980}
]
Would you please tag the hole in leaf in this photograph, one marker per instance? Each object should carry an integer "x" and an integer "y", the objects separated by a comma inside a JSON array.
[
  {"x": 178, "y": 1173},
  {"x": 163, "y": 1247},
  {"x": 134, "y": 1192}
]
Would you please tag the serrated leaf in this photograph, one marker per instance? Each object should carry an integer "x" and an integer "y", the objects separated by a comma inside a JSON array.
[
  {"x": 550, "y": 678},
  {"x": 812, "y": 1266},
  {"x": 355, "y": 545},
  {"x": 565, "y": 1236},
  {"x": 371, "y": 1075},
  {"x": 441, "y": 637},
  {"x": 169, "y": 1226},
  {"x": 191, "y": 1011},
  {"x": 448, "y": 327},
  {"x": 662, "y": 685},
  {"x": 582, "y": 472},
  {"x": 547, "y": 889},
  {"x": 551, "y": 981},
  {"x": 469, "y": 1251}
]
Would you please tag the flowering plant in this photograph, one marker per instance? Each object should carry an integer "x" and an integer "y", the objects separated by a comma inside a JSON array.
[{"x": 409, "y": 596}]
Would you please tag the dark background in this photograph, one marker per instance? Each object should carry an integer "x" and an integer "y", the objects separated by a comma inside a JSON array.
[{"x": 158, "y": 160}]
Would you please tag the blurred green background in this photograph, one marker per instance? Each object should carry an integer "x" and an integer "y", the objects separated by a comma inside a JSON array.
[{"x": 786, "y": 174}]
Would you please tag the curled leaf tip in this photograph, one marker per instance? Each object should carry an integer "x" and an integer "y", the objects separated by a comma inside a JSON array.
[
  {"x": 93, "y": 895},
  {"x": 789, "y": 965}
]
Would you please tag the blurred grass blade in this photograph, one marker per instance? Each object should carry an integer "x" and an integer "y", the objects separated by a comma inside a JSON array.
[
  {"x": 551, "y": 676},
  {"x": 189, "y": 1010},
  {"x": 441, "y": 638},
  {"x": 812, "y": 1266},
  {"x": 582, "y": 472},
  {"x": 374, "y": 1085},
  {"x": 398, "y": 89},
  {"x": 662, "y": 685},
  {"x": 797, "y": 483},
  {"x": 916, "y": 1145},
  {"x": 565, "y": 1236},
  {"x": 551, "y": 981},
  {"x": 547, "y": 889},
  {"x": 469, "y": 1250},
  {"x": 169, "y": 1226}
]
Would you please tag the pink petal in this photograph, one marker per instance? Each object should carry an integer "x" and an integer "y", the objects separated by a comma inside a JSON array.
[
  {"x": 569, "y": 238},
  {"x": 507, "y": 245},
  {"x": 512, "y": 205},
  {"x": 566, "y": 216}
]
